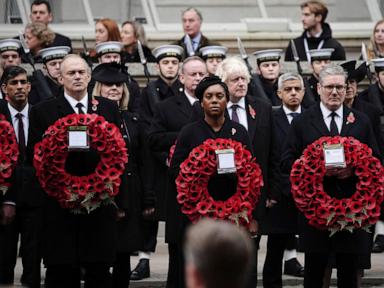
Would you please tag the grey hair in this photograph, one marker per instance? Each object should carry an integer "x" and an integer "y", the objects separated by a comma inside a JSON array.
[
  {"x": 88, "y": 69},
  {"x": 232, "y": 65},
  {"x": 289, "y": 76},
  {"x": 189, "y": 59},
  {"x": 331, "y": 69},
  {"x": 195, "y": 10}
]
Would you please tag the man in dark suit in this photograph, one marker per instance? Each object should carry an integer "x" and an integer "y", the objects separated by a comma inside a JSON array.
[
  {"x": 282, "y": 218},
  {"x": 192, "y": 20},
  {"x": 165, "y": 86},
  {"x": 73, "y": 241},
  {"x": 41, "y": 12},
  {"x": 21, "y": 207},
  {"x": 256, "y": 116},
  {"x": 169, "y": 117},
  {"x": 329, "y": 118}
]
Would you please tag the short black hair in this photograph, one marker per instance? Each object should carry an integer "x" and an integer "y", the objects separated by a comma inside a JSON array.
[
  {"x": 40, "y": 2},
  {"x": 11, "y": 72}
]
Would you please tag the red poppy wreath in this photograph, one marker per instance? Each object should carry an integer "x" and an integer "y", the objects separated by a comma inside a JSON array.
[
  {"x": 195, "y": 172},
  {"x": 81, "y": 194},
  {"x": 9, "y": 151},
  {"x": 324, "y": 212}
]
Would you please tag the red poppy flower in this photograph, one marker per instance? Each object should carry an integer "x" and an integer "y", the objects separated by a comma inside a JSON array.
[
  {"x": 50, "y": 156},
  {"x": 307, "y": 176},
  {"x": 195, "y": 171}
]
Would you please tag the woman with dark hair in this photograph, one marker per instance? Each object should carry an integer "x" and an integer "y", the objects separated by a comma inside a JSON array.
[
  {"x": 131, "y": 200},
  {"x": 213, "y": 96},
  {"x": 131, "y": 32}
]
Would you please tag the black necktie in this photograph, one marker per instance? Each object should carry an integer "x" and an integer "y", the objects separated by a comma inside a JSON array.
[
  {"x": 235, "y": 117},
  {"x": 80, "y": 107},
  {"x": 333, "y": 127},
  {"x": 21, "y": 135}
]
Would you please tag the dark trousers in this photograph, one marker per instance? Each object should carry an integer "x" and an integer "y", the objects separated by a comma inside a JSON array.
[
  {"x": 251, "y": 281},
  {"x": 316, "y": 263},
  {"x": 150, "y": 228},
  {"x": 176, "y": 276},
  {"x": 272, "y": 270},
  {"x": 67, "y": 276},
  {"x": 121, "y": 270},
  {"x": 27, "y": 224}
]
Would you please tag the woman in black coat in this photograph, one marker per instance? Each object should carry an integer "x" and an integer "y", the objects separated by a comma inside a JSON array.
[
  {"x": 213, "y": 95},
  {"x": 111, "y": 83}
]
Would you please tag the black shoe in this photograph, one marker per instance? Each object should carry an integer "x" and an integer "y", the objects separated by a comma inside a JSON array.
[
  {"x": 141, "y": 271},
  {"x": 293, "y": 267},
  {"x": 378, "y": 245}
]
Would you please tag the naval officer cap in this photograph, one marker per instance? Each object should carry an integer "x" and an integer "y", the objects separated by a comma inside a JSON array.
[
  {"x": 108, "y": 47},
  {"x": 268, "y": 55},
  {"x": 379, "y": 64},
  {"x": 9, "y": 45},
  {"x": 168, "y": 51},
  {"x": 321, "y": 54},
  {"x": 57, "y": 52},
  {"x": 213, "y": 52}
]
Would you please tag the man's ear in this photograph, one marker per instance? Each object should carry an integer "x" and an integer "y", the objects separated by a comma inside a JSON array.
[
  {"x": 279, "y": 93},
  {"x": 60, "y": 80}
]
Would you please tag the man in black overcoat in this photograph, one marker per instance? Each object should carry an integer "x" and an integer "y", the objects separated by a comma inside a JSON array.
[
  {"x": 256, "y": 116},
  {"x": 167, "y": 85},
  {"x": 74, "y": 242},
  {"x": 329, "y": 118},
  {"x": 282, "y": 218}
]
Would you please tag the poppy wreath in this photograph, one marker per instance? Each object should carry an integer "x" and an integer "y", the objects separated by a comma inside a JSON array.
[
  {"x": 324, "y": 212},
  {"x": 9, "y": 152},
  {"x": 195, "y": 172},
  {"x": 81, "y": 194}
]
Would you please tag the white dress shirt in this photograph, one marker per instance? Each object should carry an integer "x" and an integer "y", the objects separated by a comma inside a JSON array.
[
  {"x": 73, "y": 102},
  {"x": 15, "y": 121},
  {"x": 327, "y": 116},
  {"x": 288, "y": 112},
  {"x": 241, "y": 112},
  {"x": 190, "y": 98}
]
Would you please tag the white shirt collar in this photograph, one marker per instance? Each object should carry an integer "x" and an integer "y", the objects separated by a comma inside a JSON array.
[
  {"x": 73, "y": 102},
  {"x": 241, "y": 103},
  {"x": 190, "y": 98},
  {"x": 287, "y": 111},
  {"x": 326, "y": 112},
  {"x": 13, "y": 111}
]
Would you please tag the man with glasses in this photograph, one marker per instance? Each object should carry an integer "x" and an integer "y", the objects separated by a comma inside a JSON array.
[{"x": 329, "y": 118}]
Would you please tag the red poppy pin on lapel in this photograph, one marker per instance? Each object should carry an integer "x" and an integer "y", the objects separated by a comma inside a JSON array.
[
  {"x": 350, "y": 118},
  {"x": 252, "y": 111}
]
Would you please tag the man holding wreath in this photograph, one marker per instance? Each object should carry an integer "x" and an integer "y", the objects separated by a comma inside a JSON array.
[
  {"x": 75, "y": 241},
  {"x": 330, "y": 118}
]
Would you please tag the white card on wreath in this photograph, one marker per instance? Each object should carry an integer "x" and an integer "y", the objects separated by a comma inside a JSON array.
[
  {"x": 225, "y": 161},
  {"x": 78, "y": 138},
  {"x": 334, "y": 156}
]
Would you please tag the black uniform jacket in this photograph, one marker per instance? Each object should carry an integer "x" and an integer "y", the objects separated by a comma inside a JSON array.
[
  {"x": 313, "y": 43},
  {"x": 305, "y": 129},
  {"x": 69, "y": 238}
]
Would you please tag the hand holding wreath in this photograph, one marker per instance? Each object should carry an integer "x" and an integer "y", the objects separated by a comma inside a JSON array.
[{"x": 361, "y": 210}]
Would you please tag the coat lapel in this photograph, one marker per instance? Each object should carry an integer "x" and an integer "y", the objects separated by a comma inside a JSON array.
[
  {"x": 252, "y": 116},
  {"x": 282, "y": 121},
  {"x": 184, "y": 104},
  {"x": 317, "y": 120},
  {"x": 346, "y": 126},
  {"x": 64, "y": 108}
]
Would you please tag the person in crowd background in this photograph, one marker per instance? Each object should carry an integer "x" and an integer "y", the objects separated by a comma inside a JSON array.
[{"x": 38, "y": 36}]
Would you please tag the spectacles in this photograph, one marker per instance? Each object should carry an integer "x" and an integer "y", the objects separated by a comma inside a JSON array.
[
  {"x": 330, "y": 88},
  {"x": 15, "y": 82}
]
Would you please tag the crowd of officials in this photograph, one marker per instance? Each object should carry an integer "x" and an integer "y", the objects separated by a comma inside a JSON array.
[{"x": 199, "y": 94}]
